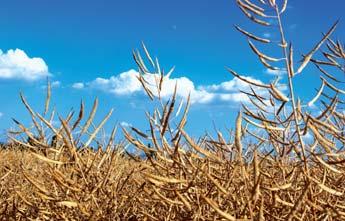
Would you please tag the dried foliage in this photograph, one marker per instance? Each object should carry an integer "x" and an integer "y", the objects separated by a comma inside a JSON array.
[{"x": 284, "y": 161}]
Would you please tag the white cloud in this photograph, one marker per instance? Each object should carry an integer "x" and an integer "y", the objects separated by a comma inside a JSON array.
[
  {"x": 55, "y": 84},
  {"x": 1, "y": 114},
  {"x": 123, "y": 84},
  {"x": 233, "y": 85},
  {"x": 15, "y": 64},
  {"x": 125, "y": 124},
  {"x": 127, "y": 83},
  {"x": 234, "y": 97},
  {"x": 78, "y": 85},
  {"x": 275, "y": 72}
]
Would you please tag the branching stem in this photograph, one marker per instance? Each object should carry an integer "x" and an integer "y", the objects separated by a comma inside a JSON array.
[{"x": 291, "y": 89}]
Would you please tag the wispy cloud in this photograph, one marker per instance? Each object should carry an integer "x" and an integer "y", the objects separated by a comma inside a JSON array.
[
  {"x": 16, "y": 64},
  {"x": 126, "y": 84},
  {"x": 54, "y": 84},
  {"x": 125, "y": 124},
  {"x": 78, "y": 85},
  {"x": 275, "y": 72},
  {"x": 1, "y": 114}
]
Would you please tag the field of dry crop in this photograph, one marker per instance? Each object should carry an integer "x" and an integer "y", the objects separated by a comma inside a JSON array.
[
  {"x": 283, "y": 160},
  {"x": 106, "y": 185}
]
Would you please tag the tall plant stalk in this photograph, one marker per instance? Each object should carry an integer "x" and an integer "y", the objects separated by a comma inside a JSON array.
[{"x": 290, "y": 75}]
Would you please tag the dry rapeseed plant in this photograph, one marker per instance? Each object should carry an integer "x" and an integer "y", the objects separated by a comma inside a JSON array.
[{"x": 266, "y": 171}]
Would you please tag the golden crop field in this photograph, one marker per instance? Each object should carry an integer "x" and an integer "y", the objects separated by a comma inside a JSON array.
[{"x": 267, "y": 170}]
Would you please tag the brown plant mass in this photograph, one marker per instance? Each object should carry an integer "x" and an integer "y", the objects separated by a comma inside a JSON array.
[{"x": 267, "y": 170}]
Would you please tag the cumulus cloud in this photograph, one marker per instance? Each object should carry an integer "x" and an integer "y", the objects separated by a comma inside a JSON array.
[
  {"x": 123, "y": 84},
  {"x": 233, "y": 85},
  {"x": 78, "y": 85},
  {"x": 16, "y": 64},
  {"x": 127, "y": 83}
]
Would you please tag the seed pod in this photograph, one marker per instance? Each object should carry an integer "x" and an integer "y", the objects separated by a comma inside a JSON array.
[
  {"x": 238, "y": 135},
  {"x": 69, "y": 204},
  {"x": 217, "y": 209},
  {"x": 272, "y": 2},
  {"x": 282, "y": 10},
  {"x": 252, "y": 36},
  {"x": 260, "y": 54},
  {"x": 278, "y": 94},
  {"x": 310, "y": 103},
  {"x": 308, "y": 57}
]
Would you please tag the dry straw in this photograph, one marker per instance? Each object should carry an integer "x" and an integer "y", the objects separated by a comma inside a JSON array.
[{"x": 283, "y": 161}]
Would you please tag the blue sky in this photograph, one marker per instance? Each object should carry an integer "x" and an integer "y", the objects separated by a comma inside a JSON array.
[{"x": 81, "y": 40}]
